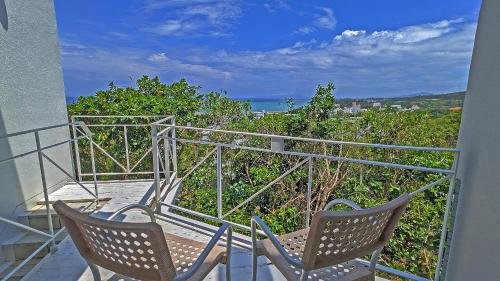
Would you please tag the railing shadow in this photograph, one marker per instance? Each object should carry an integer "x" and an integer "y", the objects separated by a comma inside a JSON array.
[
  {"x": 4, "y": 19},
  {"x": 11, "y": 185}
]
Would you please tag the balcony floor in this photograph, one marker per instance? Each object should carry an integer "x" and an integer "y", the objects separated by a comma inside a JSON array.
[{"x": 67, "y": 265}]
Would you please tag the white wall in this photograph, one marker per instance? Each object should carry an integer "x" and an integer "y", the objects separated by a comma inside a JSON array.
[
  {"x": 475, "y": 251},
  {"x": 31, "y": 96}
]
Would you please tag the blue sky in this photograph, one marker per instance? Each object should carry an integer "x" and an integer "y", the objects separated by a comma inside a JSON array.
[{"x": 270, "y": 48}]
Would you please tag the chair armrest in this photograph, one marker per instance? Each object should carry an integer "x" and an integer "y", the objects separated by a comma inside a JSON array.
[
  {"x": 346, "y": 202},
  {"x": 374, "y": 258},
  {"x": 134, "y": 206},
  {"x": 258, "y": 221},
  {"x": 204, "y": 254}
]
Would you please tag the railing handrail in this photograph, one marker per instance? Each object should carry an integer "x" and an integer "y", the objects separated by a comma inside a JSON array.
[
  {"x": 278, "y": 147},
  {"x": 120, "y": 116},
  {"x": 313, "y": 155},
  {"x": 39, "y": 129},
  {"x": 127, "y": 168},
  {"x": 166, "y": 118},
  {"x": 372, "y": 145},
  {"x": 51, "y": 236}
]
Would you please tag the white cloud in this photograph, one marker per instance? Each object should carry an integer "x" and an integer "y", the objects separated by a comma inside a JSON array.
[
  {"x": 326, "y": 19},
  {"x": 268, "y": 7},
  {"x": 405, "y": 35},
  {"x": 119, "y": 35},
  {"x": 306, "y": 30},
  {"x": 85, "y": 65},
  {"x": 159, "y": 57},
  {"x": 430, "y": 57},
  {"x": 195, "y": 17},
  {"x": 173, "y": 27},
  {"x": 323, "y": 20},
  {"x": 273, "y": 5}
]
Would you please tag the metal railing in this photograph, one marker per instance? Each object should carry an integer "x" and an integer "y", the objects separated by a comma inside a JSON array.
[
  {"x": 127, "y": 167},
  {"x": 167, "y": 133},
  {"x": 40, "y": 151}
]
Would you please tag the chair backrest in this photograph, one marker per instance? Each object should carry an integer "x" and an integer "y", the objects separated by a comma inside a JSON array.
[
  {"x": 137, "y": 250},
  {"x": 336, "y": 237}
]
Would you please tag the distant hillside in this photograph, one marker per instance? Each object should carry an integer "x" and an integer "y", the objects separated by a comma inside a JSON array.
[{"x": 424, "y": 101}]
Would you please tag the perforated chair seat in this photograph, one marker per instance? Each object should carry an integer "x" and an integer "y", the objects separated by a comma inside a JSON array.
[
  {"x": 184, "y": 253},
  {"x": 294, "y": 244}
]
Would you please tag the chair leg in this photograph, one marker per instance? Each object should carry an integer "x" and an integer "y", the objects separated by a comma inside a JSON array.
[
  {"x": 254, "y": 251},
  {"x": 95, "y": 271},
  {"x": 228, "y": 253},
  {"x": 305, "y": 275},
  {"x": 254, "y": 267}
]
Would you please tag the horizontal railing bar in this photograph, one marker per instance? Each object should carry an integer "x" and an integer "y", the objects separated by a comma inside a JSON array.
[
  {"x": 432, "y": 184},
  {"x": 335, "y": 158},
  {"x": 18, "y": 156},
  {"x": 205, "y": 216},
  {"x": 20, "y": 225},
  {"x": 298, "y": 165},
  {"x": 119, "y": 116},
  {"x": 63, "y": 142},
  {"x": 27, "y": 259},
  {"x": 119, "y": 173},
  {"x": 386, "y": 146},
  {"x": 394, "y": 271},
  {"x": 38, "y": 130},
  {"x": 30, "y": 257},
  {"x": 119, "y": 125},
  {"x": 167, "y": 118},
  {"x": 209, "y": 217},
  {"x": 41, "y": 149}
]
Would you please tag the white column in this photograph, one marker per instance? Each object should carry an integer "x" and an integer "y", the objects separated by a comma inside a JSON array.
[{"x": 475, "y": 247}]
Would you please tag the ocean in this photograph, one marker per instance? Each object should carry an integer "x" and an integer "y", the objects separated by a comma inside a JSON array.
[{"x": 268, "y": 105}]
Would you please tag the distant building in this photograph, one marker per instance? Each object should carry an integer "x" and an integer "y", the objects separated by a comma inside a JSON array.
[
  {"x": 355, "y": 108},
  {"x": 415, "y": 107},
  {"x": 377, "y": 105},
  {"x": 397, "y": 106},
  {"x": 455, "y": 108}
]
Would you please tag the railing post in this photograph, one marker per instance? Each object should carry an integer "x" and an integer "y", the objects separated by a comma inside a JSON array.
[
  {"x": 127, "y": 156},
  {"x": 94, "y": 174},
  {"x": 174, "y": 146},
  {"x": 156, "y": 171},
  {"x": 45, "y": 191},
  {"x": 219, "y": 181},
  {"x": 309, "y": 190},
  {"x": 77, "y": 152},
  {"x": 444, "y": 228},
  {"x": 166, "y": 155},
  {"x": 71, "y": 156}
]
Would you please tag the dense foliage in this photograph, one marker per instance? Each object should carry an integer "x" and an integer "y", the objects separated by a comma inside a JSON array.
[{"x": 414, "y": 246}]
